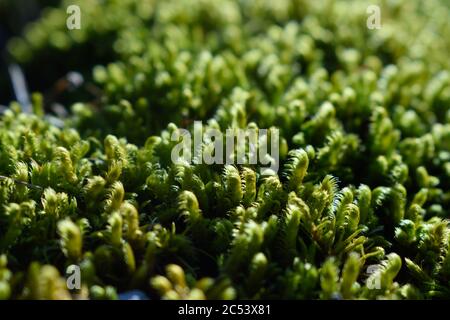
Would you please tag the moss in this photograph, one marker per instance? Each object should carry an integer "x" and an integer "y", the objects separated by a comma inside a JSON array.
[{"x": 358, "y": 209}]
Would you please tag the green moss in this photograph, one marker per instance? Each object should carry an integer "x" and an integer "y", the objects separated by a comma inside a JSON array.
[{"x": 358, "y": 209}]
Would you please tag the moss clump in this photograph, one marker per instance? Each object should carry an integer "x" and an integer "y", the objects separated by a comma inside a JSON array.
[{"x": 360, "y": 204}]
